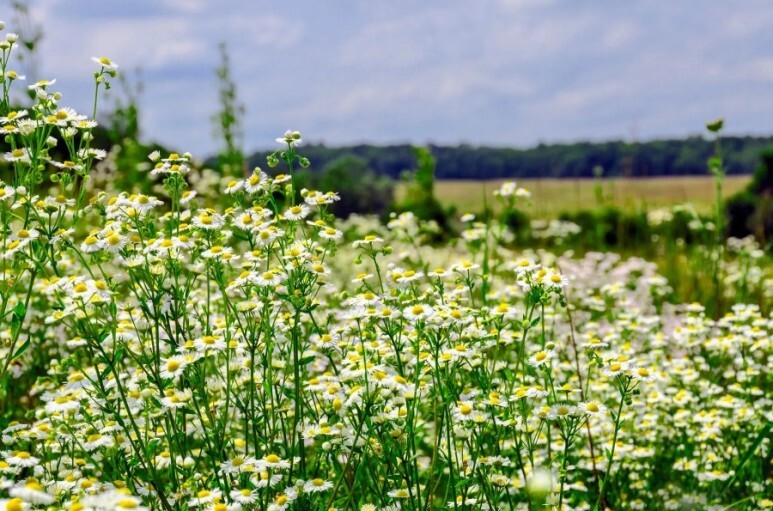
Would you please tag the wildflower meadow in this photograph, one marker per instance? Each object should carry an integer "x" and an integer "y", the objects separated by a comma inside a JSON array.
[{"x": 229, "y": 344}]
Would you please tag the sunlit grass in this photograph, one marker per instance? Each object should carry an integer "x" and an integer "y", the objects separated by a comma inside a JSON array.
[{"x": 551, "y": 197}]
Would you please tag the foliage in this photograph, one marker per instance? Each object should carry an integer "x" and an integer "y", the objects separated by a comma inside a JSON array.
[
  {"x": 751, "y": 211},
  {"x": 362, "y": 191},
  {"x": 420, "y": 192},
  {"x": 578, "y": 160},
  {"x": 228, "y": 121}
]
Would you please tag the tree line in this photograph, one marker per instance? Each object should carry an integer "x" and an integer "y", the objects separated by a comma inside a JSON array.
[{"x": 673, "y": 157}]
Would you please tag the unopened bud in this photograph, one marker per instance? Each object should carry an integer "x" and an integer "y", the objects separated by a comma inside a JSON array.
[{"x": 540, "y": 484}]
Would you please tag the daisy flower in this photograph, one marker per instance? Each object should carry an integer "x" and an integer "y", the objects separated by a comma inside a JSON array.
[
  {"x": 217, "y": 252},
  {"x": 204, "y": 497},
  {"x": 269, "y": 279},
  {"x": 22, "y": 459},
  {"x": 7, "y": 192},
  {"x": 33, "y": 493},
  {"x": 209, "y": 342},
  {"x": 367, "y": 240},
  {"x": 244, "y": 496},
  {"x": 208, "y": 221},
  {"x": 562, "y": 411},
  {"x": 233, "y": 186},
  {"x": 592, "y": 408},
  {"x": 642, "y": 374},
  {"x": 257, "y": 182},
  {"x": 297, "y": 212},
  {"x": 542, "y": 357},
  {"x": 273, "y": 461},
  {"x": 317, "y": 485},
  {"x": 290, "y": 138},
  {"x": 104, "y": 62},
  {"x": 419, "y": 312},
  {"x": 13, "y": 116},
  {"x": 20, "y": 155},
  {"x": 615, "y": 368},
  {"x": 329, "y": 233},
  {"x": 41, "y": 85},
  {"x": 173, "y": 367}
]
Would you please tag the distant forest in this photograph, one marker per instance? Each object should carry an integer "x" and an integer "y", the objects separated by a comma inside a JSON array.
[{"x": 616, "y": 158}]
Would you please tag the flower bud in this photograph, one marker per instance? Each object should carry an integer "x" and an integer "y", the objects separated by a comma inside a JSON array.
[
  {"x": 715, "y": 125},
  {"x": 540, "y": 484}
]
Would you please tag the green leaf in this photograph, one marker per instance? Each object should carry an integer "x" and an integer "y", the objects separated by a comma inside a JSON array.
[
  {"x": 749, "y": 452},
  {"x": 21, "y": 350},
  {"x": 307, "y": 360},
  {"x": 19, "y": 312}
]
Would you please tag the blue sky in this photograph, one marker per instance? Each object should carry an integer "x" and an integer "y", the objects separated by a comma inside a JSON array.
[{"x": 495, "y": 72}]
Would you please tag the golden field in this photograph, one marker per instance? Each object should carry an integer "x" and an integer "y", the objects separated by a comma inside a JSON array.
[{"x": 550, "y": 197}]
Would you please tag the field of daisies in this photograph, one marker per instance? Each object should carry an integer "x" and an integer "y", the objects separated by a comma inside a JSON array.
[{"x": 248, "y": 351}]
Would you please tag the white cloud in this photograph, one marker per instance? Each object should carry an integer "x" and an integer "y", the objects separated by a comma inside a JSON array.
[{"x": 513, "y": 72}]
